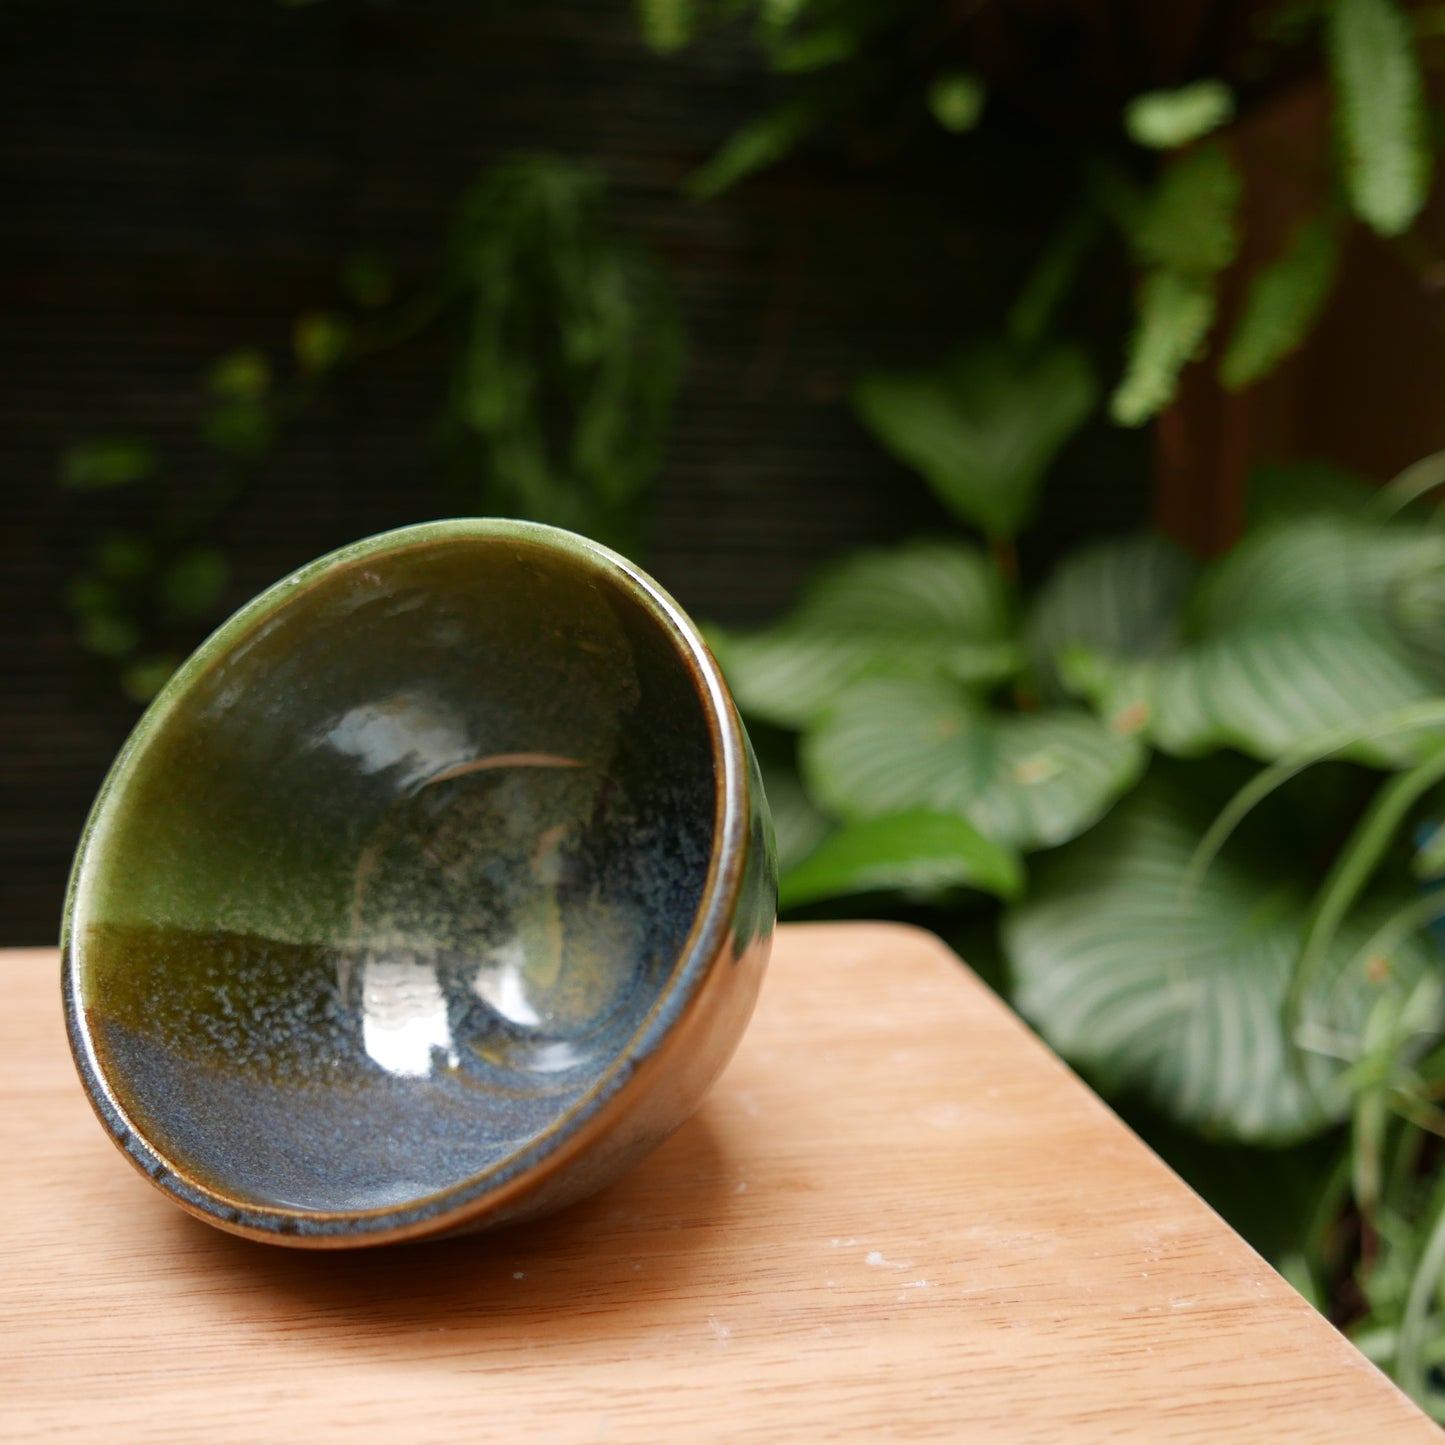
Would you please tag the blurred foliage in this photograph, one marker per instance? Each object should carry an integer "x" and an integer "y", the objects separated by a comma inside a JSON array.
[
  {"x": 1196, "y": 813},
  {"x": 1248, "y": 949},
  {"x": 568, "y": 354},
  {"x": 571, "y": 354},
  {"x": 1147, "y": 139}
]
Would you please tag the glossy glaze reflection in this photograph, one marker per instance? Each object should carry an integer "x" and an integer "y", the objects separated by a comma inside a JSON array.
[{"x": 397, "y": 876}]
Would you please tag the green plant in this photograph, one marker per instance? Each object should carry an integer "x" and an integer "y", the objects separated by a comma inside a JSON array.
[
  {"x": 568, "y": 350},
  {"x": 1138, "y": 151},
  {"x": 1246, "y": 950}
]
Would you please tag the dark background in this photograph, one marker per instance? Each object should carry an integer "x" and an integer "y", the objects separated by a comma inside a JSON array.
[{"x": 181, "y": 179}]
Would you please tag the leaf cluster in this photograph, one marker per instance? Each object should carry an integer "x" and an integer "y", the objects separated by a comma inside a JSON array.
[
  {"x": 569, "y": 352},
  {"x": 1208, "y": 799},
  {"x": 1162, "y": 174}
]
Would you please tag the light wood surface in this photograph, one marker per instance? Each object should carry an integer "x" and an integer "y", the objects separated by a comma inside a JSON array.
[{"x": 897, "y": 1216}]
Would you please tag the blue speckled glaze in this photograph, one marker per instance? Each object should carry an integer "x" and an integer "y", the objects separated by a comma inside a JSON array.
[{"x": 434, "y": 889}]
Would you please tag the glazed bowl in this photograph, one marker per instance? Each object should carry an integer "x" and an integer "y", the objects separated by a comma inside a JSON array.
[{"x": 432, "y": 892}]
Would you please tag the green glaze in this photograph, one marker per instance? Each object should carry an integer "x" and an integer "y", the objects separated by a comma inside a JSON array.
[{"x": 401, "y": 880}]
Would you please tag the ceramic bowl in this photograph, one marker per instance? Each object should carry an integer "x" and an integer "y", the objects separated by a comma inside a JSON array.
[{"x": 432, "y": 892}]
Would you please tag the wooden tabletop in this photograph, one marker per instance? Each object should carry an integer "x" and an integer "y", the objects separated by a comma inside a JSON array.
[{"x": 897, "y": 1216}]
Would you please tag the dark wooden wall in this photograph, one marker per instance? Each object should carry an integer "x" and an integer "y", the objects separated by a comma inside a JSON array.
[{"x": 177, "y": 179}]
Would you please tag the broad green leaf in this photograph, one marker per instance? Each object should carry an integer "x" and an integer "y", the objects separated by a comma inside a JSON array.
[
  {"x": 1283, "y": 303},
  {"x": 1165, "y": 119},
  {"x": 105, "y": 464},
  {"x": 956, "y": 100},
  {"x": 1178, "y": 994},
  {"x": 1188, "y": 222},
  {"x": 1291, "y": 637},
  {"x": 1026, "y": 780},
  {"x": 1291, "y": 491},
  {"x": 1175, "y": 314},
  {"x": 921, "y": 610},
  {"x": 903, "y": 850},
  {"x": 756, "y": 146},
  {"x": 1124, "y": 599},
  {"x": 983, "y": 429},
  {"x": 1380, "y": 109}
]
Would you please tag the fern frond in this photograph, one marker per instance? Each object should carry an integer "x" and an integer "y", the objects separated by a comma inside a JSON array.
[
  {"x": 1283, "y": 303},
  {"x": 1175, "y": 314},
  {"x": 1380, "y": 109}
]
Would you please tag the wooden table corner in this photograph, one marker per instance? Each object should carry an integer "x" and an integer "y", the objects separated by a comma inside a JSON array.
[{"x": 897, "y": 1216}]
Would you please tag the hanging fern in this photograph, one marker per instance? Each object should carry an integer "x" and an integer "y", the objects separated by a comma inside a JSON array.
[
  {"x": 1283, "y": 303},
  {"x": 1188, "y": 232},
  {"x": 1381, "y": 113},
  {"x": 1175, "y": 314}
]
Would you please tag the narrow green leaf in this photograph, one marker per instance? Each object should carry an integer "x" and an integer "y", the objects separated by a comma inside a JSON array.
[
  {"x": 1052, "y": 278},
  {"x": 1175, "y": 314},
  {"x": 905, "y": 850},
  {"x": 925, "y": 609},
  {"x": 1030, "y": 780},
  {"x": 1417, "y": 480},
  {"x": 106, "y": 463},
  {"x": 1179, "y": 994},
  {"x": 1283, "y": 303},
  {"x": 756, "y": 146},
  {"x": 984, "y": 429},
  {"x": 956, "y": 100},
  {"x": 1424, "y": 1289},
  {"x": 830, "y": 45},
  {"x": 1355, "y": 865},
  {"x": 1380, "y": 108},
  {"x": 1165, "y": 119}
]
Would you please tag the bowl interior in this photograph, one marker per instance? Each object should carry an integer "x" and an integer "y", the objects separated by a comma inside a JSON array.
[{"x": 394, "y": 871}]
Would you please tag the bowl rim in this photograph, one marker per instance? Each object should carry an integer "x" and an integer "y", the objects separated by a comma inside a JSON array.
[{"x": 467, "y": 1202}]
